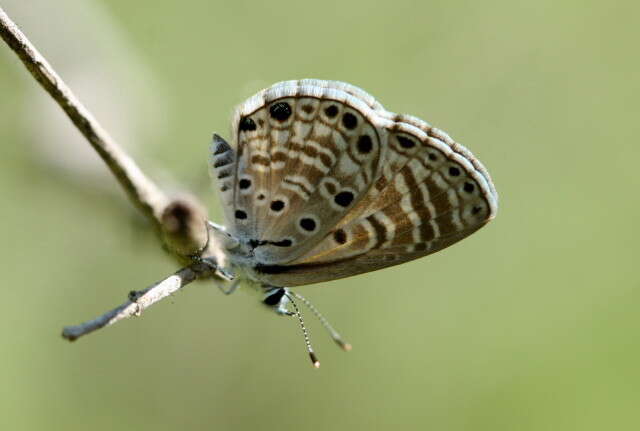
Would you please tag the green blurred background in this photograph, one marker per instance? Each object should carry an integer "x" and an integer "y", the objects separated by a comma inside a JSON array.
[{"x": 530, "y": 324}]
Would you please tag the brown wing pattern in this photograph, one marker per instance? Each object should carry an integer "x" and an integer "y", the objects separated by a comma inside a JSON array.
[
  {"x": 325, "y": 183},
  {"x": 429, "y": 193},
  {"x": 303, "y": 162}
]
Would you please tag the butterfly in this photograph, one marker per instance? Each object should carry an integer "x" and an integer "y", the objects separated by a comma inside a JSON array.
[{"x": 321, "y": 182}]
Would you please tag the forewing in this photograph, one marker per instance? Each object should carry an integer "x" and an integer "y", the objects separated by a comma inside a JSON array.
[{"x": 306, "y": 156}]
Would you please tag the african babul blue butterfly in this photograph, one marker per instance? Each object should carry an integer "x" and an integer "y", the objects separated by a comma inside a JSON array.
[{"x": 321, "y": 182}]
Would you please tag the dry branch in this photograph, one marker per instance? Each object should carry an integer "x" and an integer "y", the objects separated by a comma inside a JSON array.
[
  {"x": 142, "y": 191},
  {"x": 181, "y": 223}
]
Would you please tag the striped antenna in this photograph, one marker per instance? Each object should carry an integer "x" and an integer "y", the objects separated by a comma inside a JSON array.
[
  {"x": 344, "y": 345},
  {"x": 312, "y": 355}
]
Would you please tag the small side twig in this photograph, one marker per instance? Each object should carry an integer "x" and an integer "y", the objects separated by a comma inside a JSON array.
[{"x": 138, "y": 301}]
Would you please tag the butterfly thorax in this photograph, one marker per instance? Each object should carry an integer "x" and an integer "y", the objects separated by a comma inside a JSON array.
[
  {"x": 238, "y": 262},
  {"x": 243, "y": 260},
  {"x": 238, "y": 259}
]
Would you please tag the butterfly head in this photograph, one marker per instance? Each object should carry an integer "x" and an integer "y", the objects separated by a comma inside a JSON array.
[{"x": 277, "y": 299}]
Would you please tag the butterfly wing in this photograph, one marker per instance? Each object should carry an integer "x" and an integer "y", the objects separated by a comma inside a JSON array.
[
  {"x": 306, "y": 154},
  {"x": 429, "y": 192}
]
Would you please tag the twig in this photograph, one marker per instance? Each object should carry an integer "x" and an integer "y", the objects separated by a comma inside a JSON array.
[
  {"x": 142, "y": 191},
  {"x": 181, "y": 223},
  {"x": 138, "y": 302}
]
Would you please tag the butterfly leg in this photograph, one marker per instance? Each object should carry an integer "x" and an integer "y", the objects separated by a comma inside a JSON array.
[
  {"x": 219, "y": 271},
  {"x": 222, "y": 273},
  {"x": 228, "y": 290}
]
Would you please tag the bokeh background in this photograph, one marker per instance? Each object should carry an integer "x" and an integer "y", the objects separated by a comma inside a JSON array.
[{"x": 530, "y": 324}]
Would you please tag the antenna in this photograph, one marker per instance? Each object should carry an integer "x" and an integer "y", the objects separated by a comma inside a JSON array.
[
  {"x": 312, "y": 355},
  {"x": 344, "y": 345}
]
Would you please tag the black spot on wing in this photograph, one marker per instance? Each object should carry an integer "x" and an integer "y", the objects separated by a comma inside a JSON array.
[
  {"x": 280, "y": 111},
  {"x": 365, "y": 145},
  {"x": 343, "y": 199},
  {"x": 406, "y": 142},
  {"x": 277, "y": 205},
  {"x": 308, "y": 224},
  {"x": 340, "y": 236},
  {"x": 247, "y": 125},
  {"x": 331, "y": 111},
  {"x": 349, "y": 121}
]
